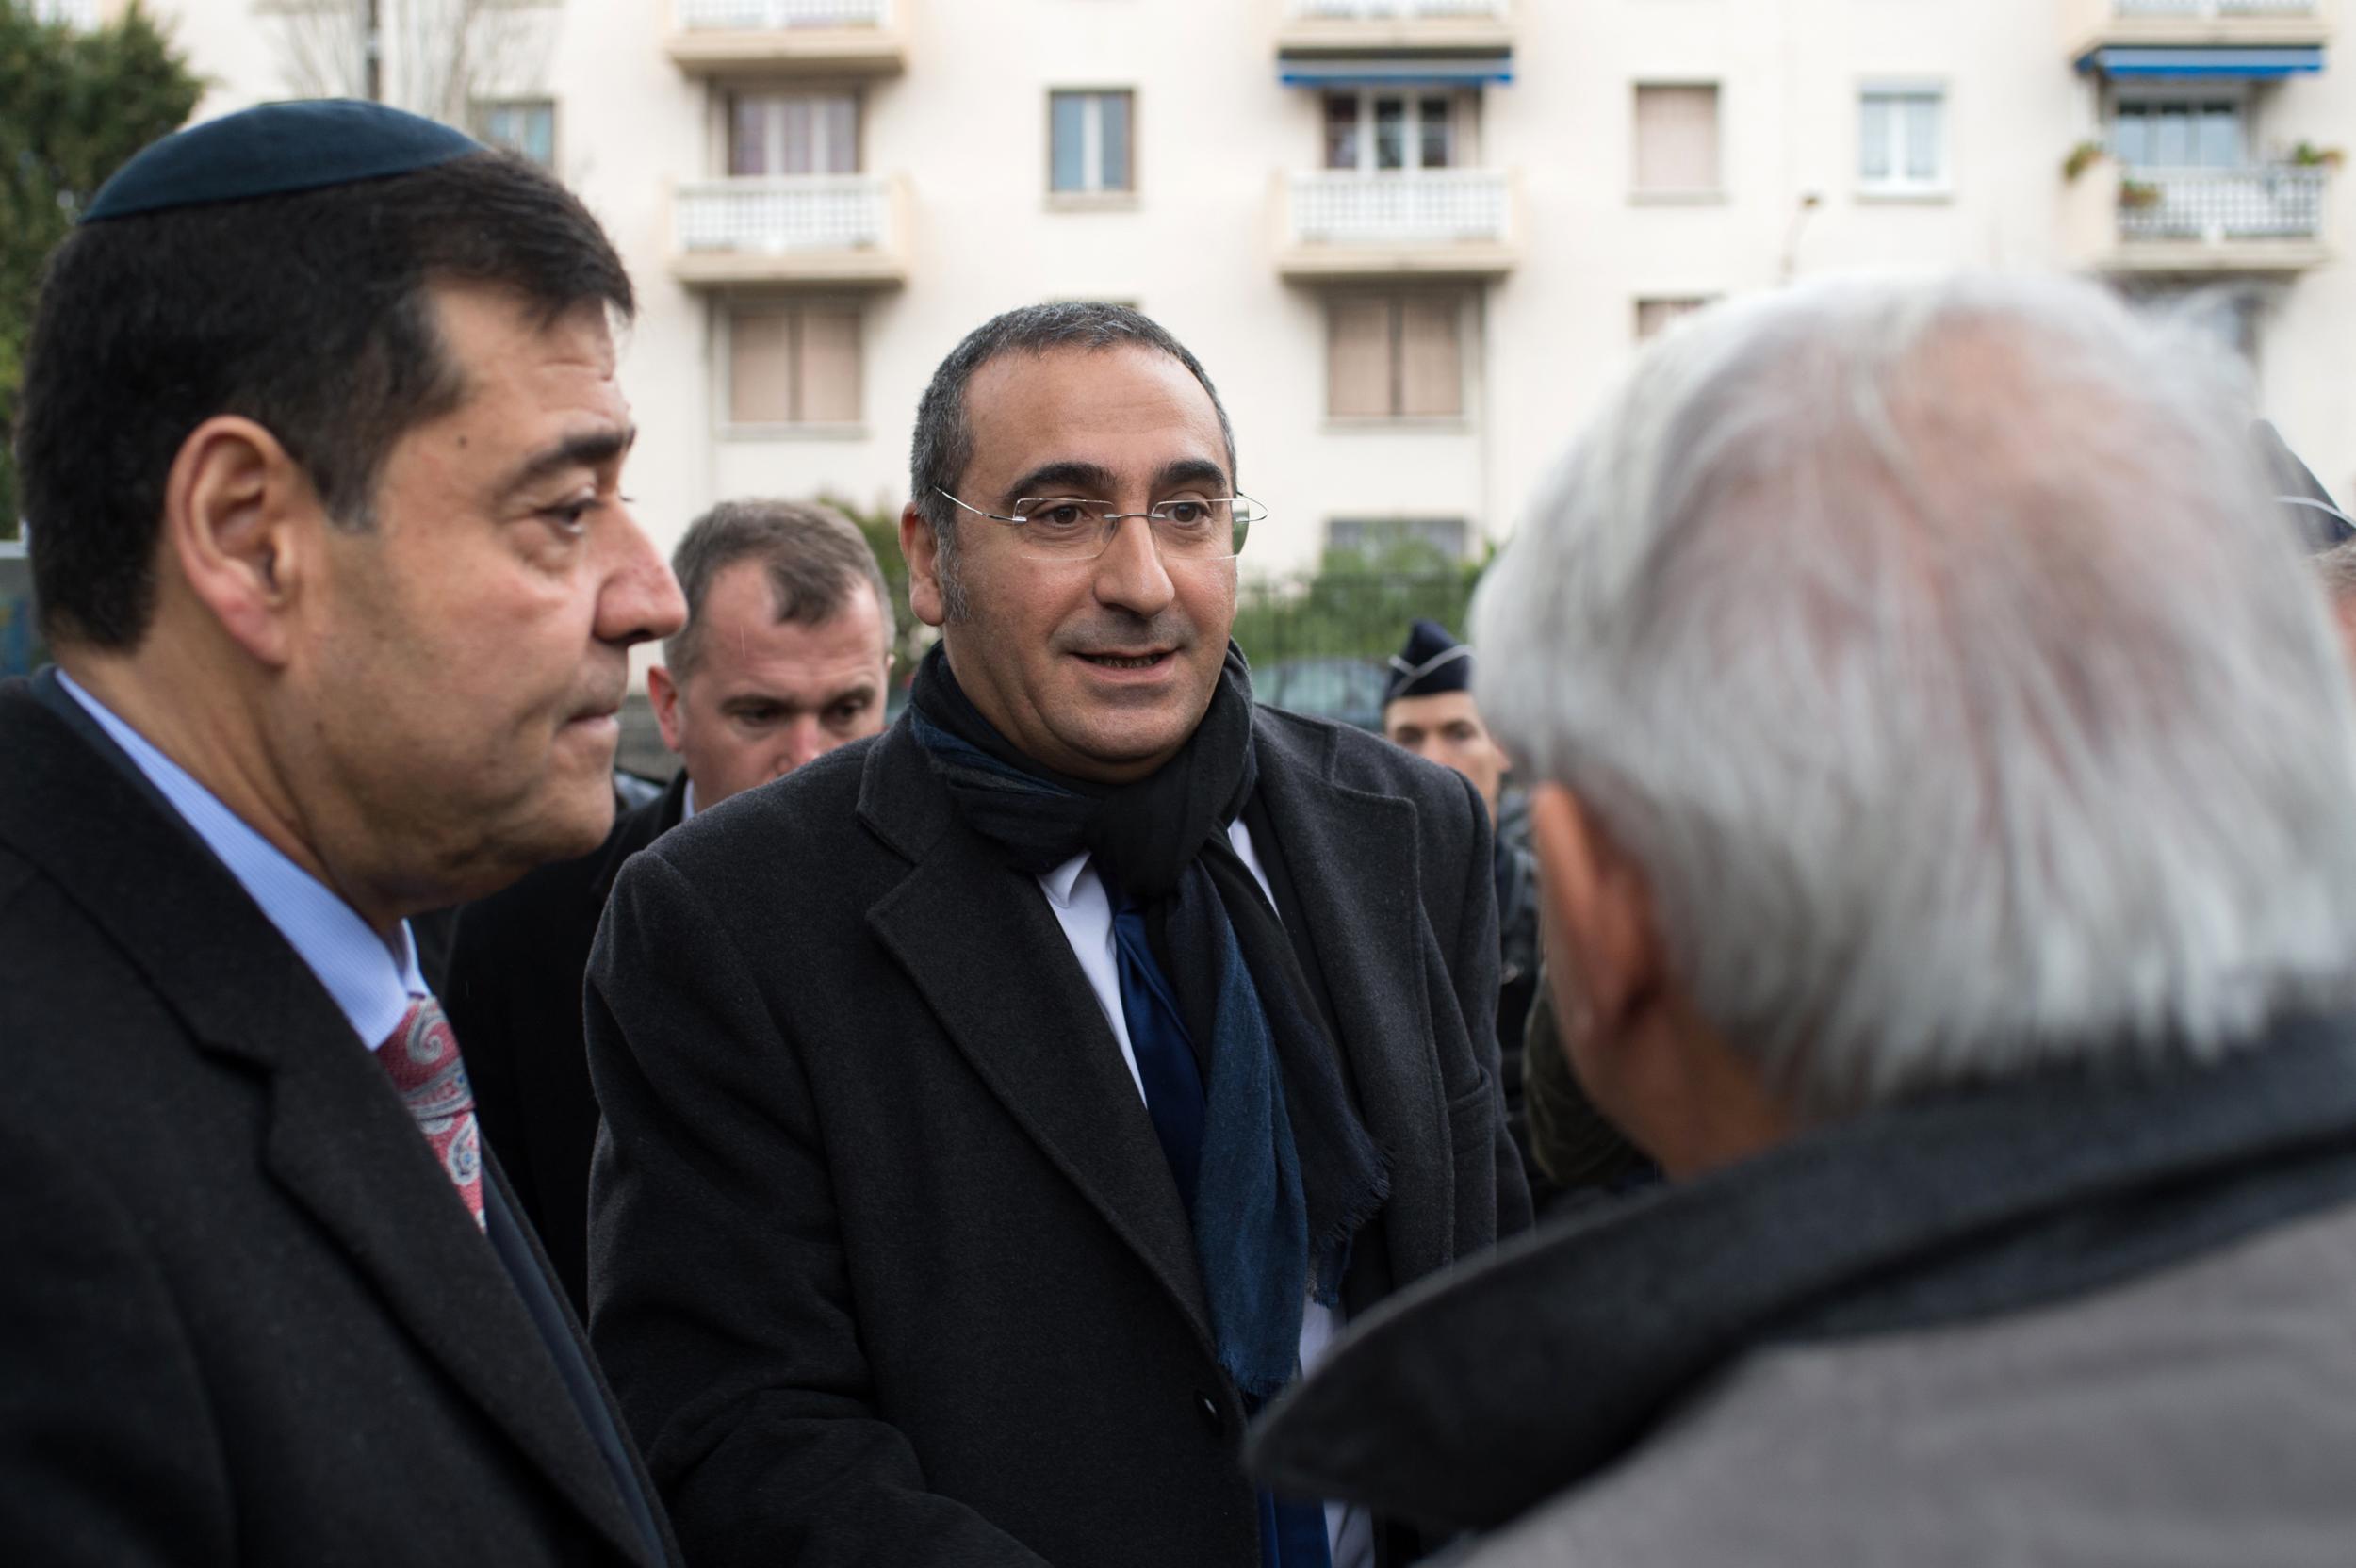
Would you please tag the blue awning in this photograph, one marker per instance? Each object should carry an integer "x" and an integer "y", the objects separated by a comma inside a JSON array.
[
  {"x": 2235, "y": 64},
  {"x": 1408, "y": 71}
]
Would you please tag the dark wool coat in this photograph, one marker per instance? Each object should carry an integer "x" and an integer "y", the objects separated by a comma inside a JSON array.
[
  {"x": 513, "y": 994},
  {"x": 243, "y": 1317},
  {"x": 886, "y": 1262}
]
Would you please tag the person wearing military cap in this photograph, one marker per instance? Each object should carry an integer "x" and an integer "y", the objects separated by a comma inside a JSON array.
[{"x": 320, "y": 444}]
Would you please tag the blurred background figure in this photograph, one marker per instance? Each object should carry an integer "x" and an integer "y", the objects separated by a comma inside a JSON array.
[
  {"x": 784, "y": 657},
  {"x": 1942, "y": 772},
  {"x": 1427, "y": 708}
]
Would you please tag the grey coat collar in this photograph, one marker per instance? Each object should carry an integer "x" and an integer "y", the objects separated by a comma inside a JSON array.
[{"x": 1469, "y": 1401}]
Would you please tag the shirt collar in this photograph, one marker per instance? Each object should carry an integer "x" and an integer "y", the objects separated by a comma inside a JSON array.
[
  {"x": 687, "y": 802},
  {"x": 1057, "y": 882},
  {"x": 369, "y": 985}
]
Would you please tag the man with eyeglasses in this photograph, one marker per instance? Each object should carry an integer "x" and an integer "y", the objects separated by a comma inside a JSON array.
[{"x": 999, "y": 1112}]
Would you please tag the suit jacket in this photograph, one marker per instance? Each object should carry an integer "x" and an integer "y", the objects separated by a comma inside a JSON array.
[
  {"x": 244, "y": 1317},
  {"x": 514, "y": 999},
  {"x": 888, "y": 1265}
]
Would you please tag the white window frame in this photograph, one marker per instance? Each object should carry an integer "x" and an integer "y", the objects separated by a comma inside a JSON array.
[
  {"x": 2204, "y": 89},
  {"x": 485, "y": 107},
  {"x": 1459, "y": 122},
  {"x": 1942, "y": 181},
  {"x": 1093, "y": 190}
]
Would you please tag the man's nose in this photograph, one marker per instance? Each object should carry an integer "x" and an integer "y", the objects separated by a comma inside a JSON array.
[
  {"x": 638, "y": 599},
  {"x": 1130, "y": 573},
  {"x": 806, "y": 740}
]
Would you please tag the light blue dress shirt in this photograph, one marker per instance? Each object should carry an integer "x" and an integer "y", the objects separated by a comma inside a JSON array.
[{"x": 370, "y": 984}]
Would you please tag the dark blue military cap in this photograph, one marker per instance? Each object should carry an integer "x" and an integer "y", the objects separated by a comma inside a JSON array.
[
  {"x": 2306, "y": 504},
  {"x": 275, "y": 149},
  {"x": 1431, "y": 662}
]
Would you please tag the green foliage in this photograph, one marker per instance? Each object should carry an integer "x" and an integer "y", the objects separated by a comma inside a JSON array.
[
  {"x": 910, "y": 637},
  {"x": 74, "y": 105},
  {"x": 1353, "y": 606}
]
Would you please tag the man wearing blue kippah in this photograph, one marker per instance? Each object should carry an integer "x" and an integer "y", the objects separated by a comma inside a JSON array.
[{"x": 321, "y": 442}]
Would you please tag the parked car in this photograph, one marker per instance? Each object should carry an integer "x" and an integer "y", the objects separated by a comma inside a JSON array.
[{"x": 1350, "y": 690}]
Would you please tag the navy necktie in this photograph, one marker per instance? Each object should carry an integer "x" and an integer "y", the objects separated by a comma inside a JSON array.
[
  {"x": 1292, "y": 1533},
  {"x": 1164, "y": 1050}
]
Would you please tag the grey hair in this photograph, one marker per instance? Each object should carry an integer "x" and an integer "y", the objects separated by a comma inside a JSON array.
[
  {"x": 2336, "y": 569},
  {"x": 814, "y": 556},
  {"x": 943, "y": 443},
  {"x": 1935, "y": 649}
]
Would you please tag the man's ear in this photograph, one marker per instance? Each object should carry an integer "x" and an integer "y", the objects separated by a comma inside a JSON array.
[
  {"x": 246, "y": 531},
  {"x": 663, "y": 692},
  {"x": 922, "y": 552},
  {"x": 1599, "y": 908}
]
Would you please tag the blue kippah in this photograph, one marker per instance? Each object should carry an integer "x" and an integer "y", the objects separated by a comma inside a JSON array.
[{"x": 274, "y": 150}]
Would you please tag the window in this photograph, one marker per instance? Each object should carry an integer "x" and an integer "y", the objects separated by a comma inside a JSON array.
[
  {"x": 793, "y": 364},
  {"x": 1089, "y": 143},
  {"x": 1902, "y": 139},
  {"x": 2178, "y": 133},
  {"x": 1677, "y": 139},
  {"x": 794, "y": 133},
  {"x": 1378, "y": 132},
  {"x": 1393, "y": 356},
  {"x": 526, "y": 126},
  {"x": 1380, "y": 536},
  {"x": 1654, "y": 315}
]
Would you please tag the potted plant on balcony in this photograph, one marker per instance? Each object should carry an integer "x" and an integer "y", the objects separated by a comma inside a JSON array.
[
  {"x": 2082, "y": 157},
  {"x": 2307, "y": 155},
  {"x": 2138, "y": 195}
]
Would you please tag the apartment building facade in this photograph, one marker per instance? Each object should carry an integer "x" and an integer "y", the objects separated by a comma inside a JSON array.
[{"x": 1412, "y": 240}]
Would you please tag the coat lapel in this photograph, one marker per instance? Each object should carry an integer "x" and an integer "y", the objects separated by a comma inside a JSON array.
[
  {"x": 338, "y": 1139},
  {"x": 986, "y": 952},
  {"x": 1353, "y": 858}
]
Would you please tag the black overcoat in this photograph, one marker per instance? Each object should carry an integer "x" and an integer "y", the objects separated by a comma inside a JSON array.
[
  {"x": 886, "y": 1264},
  {"x": 244, "y": 1317},
  {"x": 512, "y": 993}
]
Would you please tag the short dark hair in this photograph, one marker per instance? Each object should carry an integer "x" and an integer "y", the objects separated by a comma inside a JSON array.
[
  {"x": 944, "y": 437},
  {"x": 308, "y": 313},
  {"x": 815, "y": 556}
]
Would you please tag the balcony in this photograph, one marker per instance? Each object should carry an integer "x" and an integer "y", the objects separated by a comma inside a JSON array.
[
  {"x": 2089, "y": 25},
  {"x": 2257, "y": 220},
  {"x": 1435, "y": 28},
  {"x": 845, "y": 231},
  {"x": 843, "y": 37},
  {"x": 1434, "y": 223}
]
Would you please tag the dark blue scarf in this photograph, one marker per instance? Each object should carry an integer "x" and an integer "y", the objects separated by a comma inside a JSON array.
[{"x": 1286, "y": 1172}]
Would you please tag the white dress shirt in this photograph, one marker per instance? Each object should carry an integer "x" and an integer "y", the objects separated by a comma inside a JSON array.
[
  {"x": 370, "y": 984},
  {"x": 1077, "y": 897}
]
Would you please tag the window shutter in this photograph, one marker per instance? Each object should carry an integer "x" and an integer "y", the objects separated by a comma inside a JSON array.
[
  {"x": 1431, "y": 357},
  {"x": 1677, "y": 139},
  {"x": 1358, "y": 368},
  {"x": 829, "y": 366},
  {"x": 759, "y": 368}
]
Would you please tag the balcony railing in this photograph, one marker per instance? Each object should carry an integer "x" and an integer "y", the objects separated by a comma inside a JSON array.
[
  {"x": 772, "y": 16},
  {"x": 782, "y": 214},
  {"x": 2214, "y": 8},
  {"x": 1399, "y": 10},
  {"x": 1431, "y": 206},
  {"x": 2218, "y": 206}
]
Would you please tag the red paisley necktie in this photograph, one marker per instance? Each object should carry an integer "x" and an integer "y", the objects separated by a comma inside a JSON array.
[{"x": 422, "y": 1059}]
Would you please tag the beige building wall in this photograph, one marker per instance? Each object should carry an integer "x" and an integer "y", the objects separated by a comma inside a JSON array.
[{"x": 957, "y": 125}]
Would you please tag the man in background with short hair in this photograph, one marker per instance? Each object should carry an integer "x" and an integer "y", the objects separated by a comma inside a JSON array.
[{"x": 785, "y": 656}]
